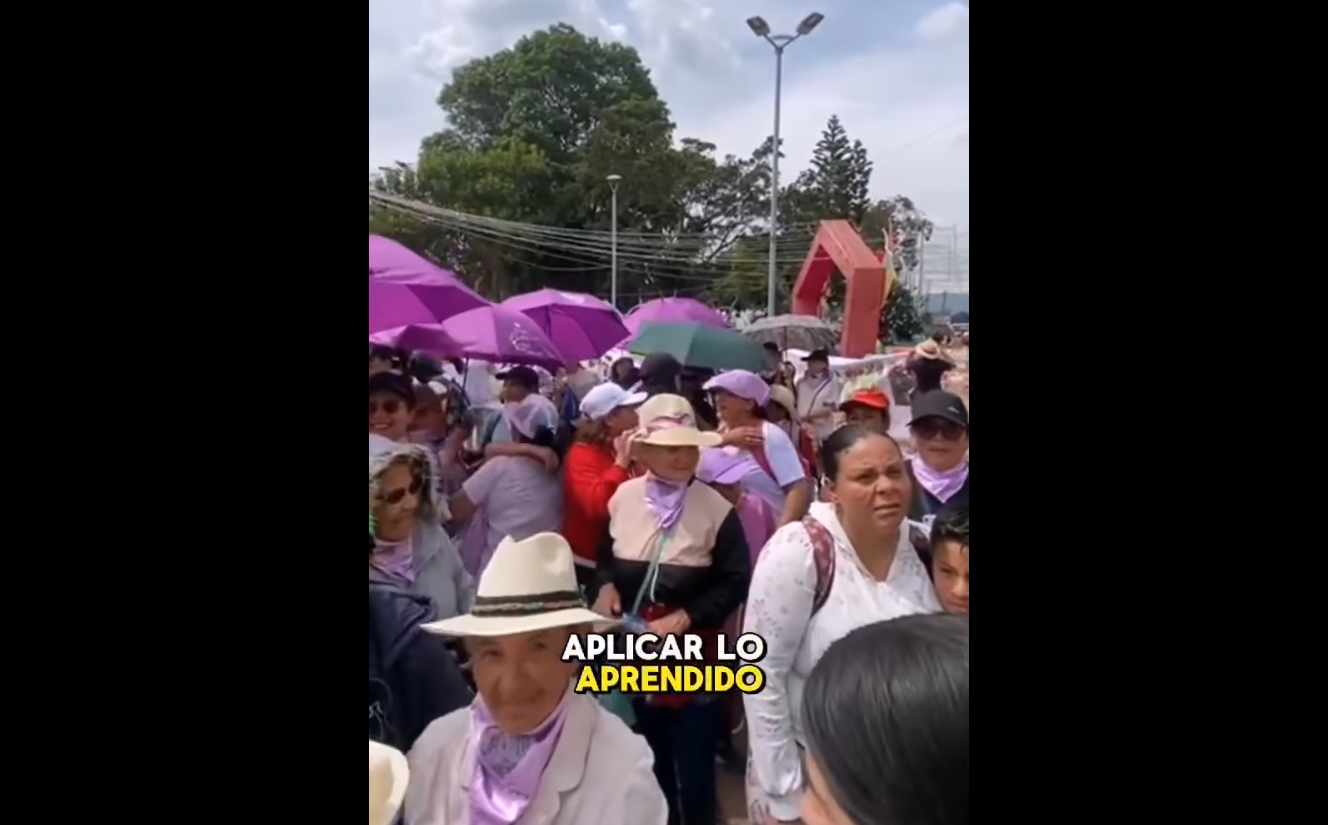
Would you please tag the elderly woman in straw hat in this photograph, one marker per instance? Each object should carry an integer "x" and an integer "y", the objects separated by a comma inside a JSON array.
[
  {"x": 529, "y": 750},
  {"x": 675, "y": 558}
]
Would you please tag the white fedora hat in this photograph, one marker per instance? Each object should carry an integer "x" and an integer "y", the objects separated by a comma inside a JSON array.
[
  {"x": 388, "y": 774},
  {"x": 528, "y": 586},
  {"x": 669, "y": 421}
]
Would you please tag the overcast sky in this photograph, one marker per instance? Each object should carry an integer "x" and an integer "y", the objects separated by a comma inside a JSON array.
[{"x": 896, "y": 72}]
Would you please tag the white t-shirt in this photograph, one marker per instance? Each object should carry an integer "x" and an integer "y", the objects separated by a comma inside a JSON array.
[
  {"x": 519, "y": 498},
  {"x": 783, "y": 459},
  {"x": 817, "y": 395},
  {"x": 479, "y": 385}
]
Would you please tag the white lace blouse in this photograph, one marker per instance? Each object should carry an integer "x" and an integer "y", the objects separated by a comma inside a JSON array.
[{"x": 778, "y": 608}]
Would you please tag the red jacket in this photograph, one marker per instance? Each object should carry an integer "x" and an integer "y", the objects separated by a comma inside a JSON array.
[{"x": 591, "y": 476}]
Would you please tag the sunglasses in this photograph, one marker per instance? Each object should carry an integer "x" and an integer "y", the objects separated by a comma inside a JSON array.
[
  {"x": 396, "y": 496},
  {"x": 932, "y": 428},
  {"x": 391, "y": 406}
]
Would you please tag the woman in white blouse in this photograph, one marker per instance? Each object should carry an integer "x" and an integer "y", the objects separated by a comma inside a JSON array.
[{"x": 849, "y": 563}]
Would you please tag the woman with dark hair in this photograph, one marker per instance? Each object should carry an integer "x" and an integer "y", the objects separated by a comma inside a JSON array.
[
  {"x": 624, "y": 373},
  {"x": 849, "y": 563},
  {"x": 885, "y": 716}
]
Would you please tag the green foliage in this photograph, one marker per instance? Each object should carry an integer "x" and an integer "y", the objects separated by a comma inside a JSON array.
[
  {"x": 535, "y": 130},
  {"x": 900, "y": 324}
]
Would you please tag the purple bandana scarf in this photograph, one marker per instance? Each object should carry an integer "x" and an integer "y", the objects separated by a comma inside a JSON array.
[
  {"x": 508, "y": 769},
  {"x": 394, "y": 558},
  {"x": 942, "y": 485},
  {"x": 665, "y": 500}
]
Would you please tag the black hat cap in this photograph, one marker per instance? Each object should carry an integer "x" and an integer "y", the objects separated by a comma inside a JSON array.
[
  {"x": 818, "y": 355},
  {"x": 521, "y": 376},
  {"x": 394, "y": 383},
  {"x": 940, "y": 404},
  {"x": 660, "y": 368}
]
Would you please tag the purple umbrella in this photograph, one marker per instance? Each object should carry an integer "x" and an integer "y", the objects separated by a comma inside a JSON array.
[
  {"x": 582, "y": 327},
  {"x": 502, "y": 336},
  {"x": 674, "y": 311},
  {"x": 428, "y": 338},
  {"x": 405, "y": 289}
]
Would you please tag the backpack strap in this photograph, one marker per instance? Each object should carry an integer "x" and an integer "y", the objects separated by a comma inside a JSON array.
[
  {"x": 823, "y": 554},
  {"x": 758, "y": 455}
]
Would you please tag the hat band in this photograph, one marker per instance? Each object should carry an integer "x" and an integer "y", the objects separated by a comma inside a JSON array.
[
  {"x": 670, "y": 422},
  {"x": 532, "y": 605}
]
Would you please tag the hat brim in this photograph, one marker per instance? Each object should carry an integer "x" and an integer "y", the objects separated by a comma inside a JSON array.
[
  {"x": 400, "y": 779},
  {"x": 871, "y": 404},
  {"x": 469, "y": 625},
  {"x": 944, "y": 416},
  {"x": 682, "y": 437}
]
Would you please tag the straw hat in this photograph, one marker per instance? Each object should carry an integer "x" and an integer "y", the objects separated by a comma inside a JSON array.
[
  {"x": 929, "y": 349},
  {"x": 669, "y": 421},
  {"x": 783, "y": 396},
  {"x": 388, "y": 774},
  {"x": 528, "y": 586}
]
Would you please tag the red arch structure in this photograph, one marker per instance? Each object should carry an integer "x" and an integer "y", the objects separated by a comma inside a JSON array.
[{"x": 838, "y": 246}]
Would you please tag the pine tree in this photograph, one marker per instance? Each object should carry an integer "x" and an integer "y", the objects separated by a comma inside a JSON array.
[
  {"x": 900, "y": 322},
  {"x": 835, "y": 186}
]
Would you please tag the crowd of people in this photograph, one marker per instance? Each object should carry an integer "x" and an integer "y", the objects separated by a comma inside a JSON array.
[{"x": 511, "y": 509}]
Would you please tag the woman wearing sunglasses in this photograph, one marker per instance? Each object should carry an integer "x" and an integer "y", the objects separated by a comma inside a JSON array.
[
  {"x": 940, "y": 467},
  {"x": 411, "y": 550},
  {"x": 391, "y": 405}
]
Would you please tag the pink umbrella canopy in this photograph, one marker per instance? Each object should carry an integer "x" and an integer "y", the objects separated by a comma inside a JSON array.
[
  {"x": 406, "y": 289},
  {"x": 582, "y": 327},
  {"x": 674, "y": 311}
]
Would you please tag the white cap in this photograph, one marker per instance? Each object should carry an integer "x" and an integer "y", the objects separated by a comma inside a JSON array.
[{"x": 608, "y": 397}]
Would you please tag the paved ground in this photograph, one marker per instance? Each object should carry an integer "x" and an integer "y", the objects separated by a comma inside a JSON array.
[{"x": 732, "y": 798}]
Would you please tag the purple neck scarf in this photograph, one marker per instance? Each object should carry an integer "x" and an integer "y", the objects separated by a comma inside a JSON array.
[
  {"x": 942, "y": 485},
  {"x": 665, "y": 500},
  {"x": 508, "y": 769},
  {"x": 394, "y": 558}
]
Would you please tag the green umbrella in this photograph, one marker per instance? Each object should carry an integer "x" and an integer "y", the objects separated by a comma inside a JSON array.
[{"x": 700, "y": 346}]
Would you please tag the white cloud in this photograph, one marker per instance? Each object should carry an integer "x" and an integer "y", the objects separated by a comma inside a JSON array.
[
  {"x": 943, "y": 22},
  {"x": 896, "y": 74}
]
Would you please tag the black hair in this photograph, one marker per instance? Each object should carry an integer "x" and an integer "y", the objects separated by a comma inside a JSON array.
[
  {"x": 772, "y": 347},
  {"x": 385, "y": 353},
  {"x": 630, "y": 378},
  {"x": 842, "y": 440},
  {"x": 885, "y": 713},
  {"x": 545, "y": 437},
  {"x": 951, "y": 525},
  {"x": 939, "y": 337},
  {"x": 617, "y": 367},
  {"x": 424, "y": 367},
  {"x": 394, "y": 383}
]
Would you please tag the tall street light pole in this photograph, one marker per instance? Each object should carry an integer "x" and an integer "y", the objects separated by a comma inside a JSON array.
[
  {"x": 614, "y": 180},
  {"x": 780, "y": 42}
]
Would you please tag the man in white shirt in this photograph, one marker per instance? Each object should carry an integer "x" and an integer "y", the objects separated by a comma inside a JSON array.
[
  {"x": 479, "y": 385},
  {"x": 818, "y": 395}
]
